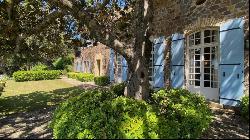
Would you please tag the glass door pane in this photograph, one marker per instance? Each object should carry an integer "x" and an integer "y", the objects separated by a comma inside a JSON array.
[{"x": 197, "y": 66}]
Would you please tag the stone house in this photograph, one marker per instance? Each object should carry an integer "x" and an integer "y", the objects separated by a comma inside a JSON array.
[
  {"x": 101, "y": 60},
  {"x": 208, "y": 50}
]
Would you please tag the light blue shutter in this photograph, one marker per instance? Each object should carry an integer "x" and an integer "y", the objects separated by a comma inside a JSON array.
[
  {"x": 111, "y": 65},
  {"x": 159, "y": 48},
  {"x": 124, "y": 69},
  {"x": 177, "y": 60},
  {"x": 231, "y": 71}
]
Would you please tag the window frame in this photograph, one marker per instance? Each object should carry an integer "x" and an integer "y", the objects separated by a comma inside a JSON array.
[{"x": 202, "y": 47}]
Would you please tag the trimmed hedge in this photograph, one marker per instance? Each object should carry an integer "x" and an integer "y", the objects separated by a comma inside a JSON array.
[
  {"x": 21, "y": 76},
  {"x": 39, "y": 67},
  {"x": 101, "y": 80},
  {"x": 83, "y": 77},
  {"x": 100, "y": 114},
  {"x": 118, "y": 89},
  {"x": 245, "y": 107}
]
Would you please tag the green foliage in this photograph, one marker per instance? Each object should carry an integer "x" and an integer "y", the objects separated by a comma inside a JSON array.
[
  {"x": 21, "y": 76},
  {"x": 39, "y": 67},
  {"x": 118, "y": 89},
  {"x": 101, "y": 114},
  {"x": 2, "y": 85},
  {"x": 40, "y": 42},
  {"x": 183, "y": 114},
  {"x": 84, "y": 77},
  {"x": 101, "y": 80},
  {"x": 63, "y": 63},
  {"x": 245, "y": 107},
  {"x": 69, "y": 68},
  {"x": 98, "y": 114},
  {"x": 3, "y": 80}
]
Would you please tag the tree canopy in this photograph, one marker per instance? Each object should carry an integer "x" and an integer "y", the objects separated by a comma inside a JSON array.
[{"x": 40, "y": 29}]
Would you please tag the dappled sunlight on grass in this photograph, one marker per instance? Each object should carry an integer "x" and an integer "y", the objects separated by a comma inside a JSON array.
[
  {"x": 35, "y": 95},
  {"x": 16, "y": 88}
]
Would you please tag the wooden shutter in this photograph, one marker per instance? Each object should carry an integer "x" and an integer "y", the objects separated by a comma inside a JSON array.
[
  {"x": 231, "y": 70},
  {"x": 124, "y": 69},
  {"x": 177, "y": 60},
  {"x": 159, "y": 48},
  {"x": 111, "y": 65}
]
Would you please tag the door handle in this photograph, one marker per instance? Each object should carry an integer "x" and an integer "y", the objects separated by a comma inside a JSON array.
[
  {"x": 224, "y": 74},
  {"x": 238, "y": 76}
]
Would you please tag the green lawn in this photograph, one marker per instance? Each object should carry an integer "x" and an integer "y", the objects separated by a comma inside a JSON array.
[{"x": 34, "y": 95}]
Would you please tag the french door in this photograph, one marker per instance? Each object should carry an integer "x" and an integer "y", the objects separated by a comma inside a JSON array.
[{"x": 203, "y": 64}]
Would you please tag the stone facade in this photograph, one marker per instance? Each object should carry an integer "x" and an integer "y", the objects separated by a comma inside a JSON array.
[
  {"x": 94, "y": 54},
  {"x": 180, "y": 16},
  {"x": 186, "y": 16},
  {"x": 98, "y": 59}
]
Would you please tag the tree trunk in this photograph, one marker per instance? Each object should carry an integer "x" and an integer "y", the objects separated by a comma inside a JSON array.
[
  {"x": 138, "y": 82},
  {"x": 138, "y": 76}
]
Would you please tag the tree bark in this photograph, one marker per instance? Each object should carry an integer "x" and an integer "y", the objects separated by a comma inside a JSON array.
[
  {"x": 138, "y": 82},
  {"x": 138, "y": 76}
]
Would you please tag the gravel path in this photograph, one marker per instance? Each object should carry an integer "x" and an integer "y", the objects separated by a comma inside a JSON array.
[{"x": 226, "y": 125}]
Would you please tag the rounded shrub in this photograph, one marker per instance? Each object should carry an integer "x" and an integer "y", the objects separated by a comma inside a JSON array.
[
  {"x": 100, "y": 114},
  {"x": 118, "y": 89},
  {"x": 245, "y": 107},
  {"x": 183, "y": 114},
  {"x": 101, "y": 80}
]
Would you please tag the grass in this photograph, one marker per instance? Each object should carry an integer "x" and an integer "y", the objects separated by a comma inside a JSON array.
[
  {"x": 34, "y": 95},
  {"x": 16, "y": 88}
]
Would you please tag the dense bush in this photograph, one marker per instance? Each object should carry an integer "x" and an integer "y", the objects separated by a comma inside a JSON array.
[
  {"x": 68, "y": 68},
  {"x": 84, "y": 77},
  {"x": 101, "y": 114},
  {"x": 101, "y": 80},
  {"x": 118, "y": 89},
  {"x": 245, "y": 107},
  {"x": 39, "y": 67},
  {"x": 21, "y": 76},
  {"x": 2, "y": 85},
  {"x": 183, "y": 114},
  {"x": 62, "y": 62}
]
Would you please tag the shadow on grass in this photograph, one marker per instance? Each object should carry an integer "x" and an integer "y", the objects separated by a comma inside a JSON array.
[
  {"x": 36, "y": 100},
  {"x": 28, "y": 115}
]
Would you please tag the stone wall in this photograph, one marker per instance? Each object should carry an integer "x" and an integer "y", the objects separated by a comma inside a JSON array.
[
  {"x": 99, "y": 52},
  {"x": 92, "y": 54},
  {"x": 185, "y": 16}
]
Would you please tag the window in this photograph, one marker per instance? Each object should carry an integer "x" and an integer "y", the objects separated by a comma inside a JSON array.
[{"x": 203, "y": 58}]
